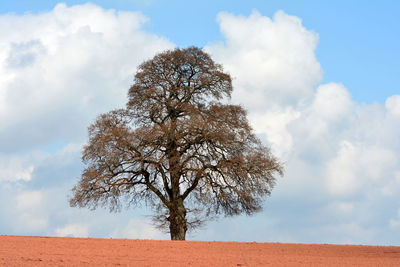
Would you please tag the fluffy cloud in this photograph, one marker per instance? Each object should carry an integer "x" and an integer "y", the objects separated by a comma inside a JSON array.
[
  {"x": 138, "y": 229},
  {"x": 272, "y": 60},
  {"x": 332, "y": 102},
  {"x": 62, "y": 68},
  {"x": 356, "y": 166},
  {"x": 29, "y": 211},
  {"x": 15, "y": 168},
  {"x": 392, "y": 104},
  {"x": 273, "y": 124},
  {"x": 58, "y": 71},
  {"x": 73, "y": 230},
  {"x": 337, "y": 152}
]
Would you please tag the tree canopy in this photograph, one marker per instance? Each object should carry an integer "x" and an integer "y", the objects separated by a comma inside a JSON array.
[{"x": 177, "y": 147}]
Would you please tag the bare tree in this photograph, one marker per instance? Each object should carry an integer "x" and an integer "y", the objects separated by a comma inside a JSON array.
[{"x": 177, "y": 148}]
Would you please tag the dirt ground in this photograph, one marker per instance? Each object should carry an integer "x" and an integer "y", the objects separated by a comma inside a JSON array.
[{"x": 60, "y": 251}]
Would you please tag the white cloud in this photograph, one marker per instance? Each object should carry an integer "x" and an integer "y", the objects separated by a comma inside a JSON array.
[
  {"x": 19, "y": 167},
  {"x": 62, "y": 68},
  {"x": 138, "y": 229},
  {"x": 273, "y": 124},
  {"x": 337, "y": 152},
  {"x": 356, "y": 166},
  {"x": 73, "y": 230},
  {"x": 14, "y": 169},
  {"x": 22, "y": 168},
  {"x": 392, "y": 104},
  {"x": 332, "y": 102},
  {"x": 58, "y": 71},
  {"x": 29, "y": 211},
  {"x": 29, "y": 200},
  {"x": 272, "y": 61},
  {"x": 348, "y": 233},
  {"x": 341, "y": 177},
  {"x": 345, "y": 144}
]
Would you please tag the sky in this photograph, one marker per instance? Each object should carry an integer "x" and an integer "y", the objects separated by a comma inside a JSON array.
[{"x": 319, "y": 80}]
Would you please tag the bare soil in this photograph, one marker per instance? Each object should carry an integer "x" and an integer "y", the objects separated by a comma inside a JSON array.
[{"x": 61, "y": 251}]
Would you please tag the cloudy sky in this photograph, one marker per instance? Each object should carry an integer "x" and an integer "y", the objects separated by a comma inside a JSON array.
[{"x": 320, "y": 81}]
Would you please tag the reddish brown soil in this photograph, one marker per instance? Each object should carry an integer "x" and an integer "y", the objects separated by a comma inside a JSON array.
[{"x": 57, "y": 251}]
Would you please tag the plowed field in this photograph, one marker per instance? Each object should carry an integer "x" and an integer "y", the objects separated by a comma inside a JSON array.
[{"x": 57, "y": 251}]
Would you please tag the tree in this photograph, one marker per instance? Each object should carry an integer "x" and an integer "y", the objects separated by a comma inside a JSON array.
[{"x": 177, "y": 148}]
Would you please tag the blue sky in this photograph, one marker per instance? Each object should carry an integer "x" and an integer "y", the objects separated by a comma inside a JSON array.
[{"x": 320, "y": 81}]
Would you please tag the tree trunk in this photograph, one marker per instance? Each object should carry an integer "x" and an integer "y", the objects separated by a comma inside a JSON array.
[{"x": 177, "y": 221}]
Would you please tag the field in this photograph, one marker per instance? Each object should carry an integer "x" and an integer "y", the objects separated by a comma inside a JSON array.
[{"x": 61, "y": 251}]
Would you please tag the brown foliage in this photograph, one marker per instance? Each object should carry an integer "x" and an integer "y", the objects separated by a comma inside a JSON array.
[{"x": 177, "y": 148}]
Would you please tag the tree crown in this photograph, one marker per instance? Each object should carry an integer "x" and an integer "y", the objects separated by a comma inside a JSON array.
[{"x": 177, "y": 147}]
